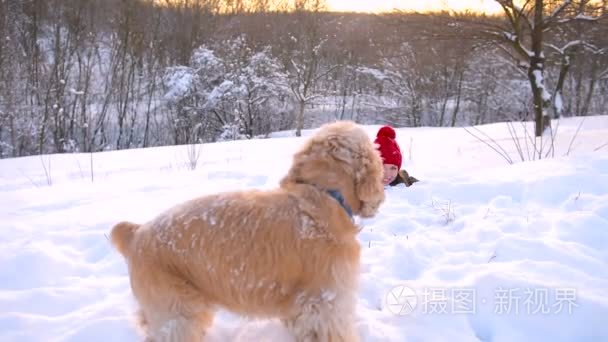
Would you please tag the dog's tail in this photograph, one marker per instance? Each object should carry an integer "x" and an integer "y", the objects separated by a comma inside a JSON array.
[{"x": 122, "y": 235}]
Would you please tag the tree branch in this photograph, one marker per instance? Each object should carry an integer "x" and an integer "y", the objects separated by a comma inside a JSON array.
[
  {"x": 326, "y": 72},
  {"x": 552, "y": 18}
]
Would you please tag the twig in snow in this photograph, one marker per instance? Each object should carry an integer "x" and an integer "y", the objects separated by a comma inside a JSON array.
[
  {"x": 47, "y": 170},
  {"x": 600, "y": 147},
  {"x": 446, "y": 209},
  {"x": 79, "y": 168},
  {"x": 527, "y": 137},
  {"x": 513, "y": 133},
  {"x": 506, "y": 157},
  {"x": 92, "y": 175},
  {"x": 529, "y": 141},
  {"x": 193, "y": 153},
  {"x": 30, "y": 179},
  {"x": 575, "y": 135},
  {"x": 494, "y": 141},
  {"x": 553, "y": 135}
]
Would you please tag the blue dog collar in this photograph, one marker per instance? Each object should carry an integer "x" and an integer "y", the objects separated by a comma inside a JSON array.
[{"x": 338, "y": 197}]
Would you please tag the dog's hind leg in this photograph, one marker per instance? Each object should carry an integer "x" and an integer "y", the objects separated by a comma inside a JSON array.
[
  {"x": 141, "y": 322},
  {"x": 179, "y": 328},
  {"x": 323, "y": 320},
  {"x": 174, "y": 311}
]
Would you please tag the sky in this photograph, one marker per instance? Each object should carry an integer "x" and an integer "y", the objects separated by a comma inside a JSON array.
[
  {"x": 377, "y": 6},
  {"x": 489, "y": 6}
]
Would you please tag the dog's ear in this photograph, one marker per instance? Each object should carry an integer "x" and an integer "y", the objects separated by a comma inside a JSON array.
[
  {"x": 340, "y": 150},
  {"x": 368, "y": 180}
]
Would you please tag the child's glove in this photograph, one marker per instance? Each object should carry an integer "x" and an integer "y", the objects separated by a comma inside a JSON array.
[{"x": 407, "y": 179}]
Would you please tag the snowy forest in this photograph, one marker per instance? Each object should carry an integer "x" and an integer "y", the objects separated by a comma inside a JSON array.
[{"x": 88, "y": 75}]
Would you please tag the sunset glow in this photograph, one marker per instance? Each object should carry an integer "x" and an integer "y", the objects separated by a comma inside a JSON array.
[{"x": 377, "y": 6}]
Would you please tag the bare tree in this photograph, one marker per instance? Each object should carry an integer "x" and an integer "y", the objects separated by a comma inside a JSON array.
[
  {"x": 305, "y": 63},
  {"x": 12, "y": 20},
  {"x": 87, "y": 75},
  {"x": 524, "y": 34}
]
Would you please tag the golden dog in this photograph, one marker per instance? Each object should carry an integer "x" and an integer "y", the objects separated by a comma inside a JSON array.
[{"x": 289, "y": 253}]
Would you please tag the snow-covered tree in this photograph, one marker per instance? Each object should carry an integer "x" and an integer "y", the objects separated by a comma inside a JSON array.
[
  {"x": 525, "y": 32},
  {"x": 304, "y": 60},
  {"x": 420, "y": 86},
  {"x": 264, "y": 92},
  {"x": 243, "y": 90},
  {"x": 397, "y": 75},
  {"x": 191, "y": 92},
  {"x": 12, "y": 20}
]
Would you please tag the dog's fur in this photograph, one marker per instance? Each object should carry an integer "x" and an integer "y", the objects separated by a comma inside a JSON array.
[{"x": 289, "y": 253}]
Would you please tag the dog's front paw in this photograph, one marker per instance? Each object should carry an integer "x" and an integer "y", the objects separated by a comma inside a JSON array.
[{"x": 369, "y": 208}]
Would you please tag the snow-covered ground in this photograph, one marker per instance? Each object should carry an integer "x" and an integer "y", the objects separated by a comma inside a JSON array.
[{"x": 478, "y": 250}]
